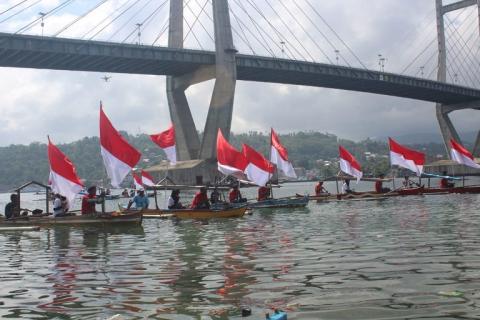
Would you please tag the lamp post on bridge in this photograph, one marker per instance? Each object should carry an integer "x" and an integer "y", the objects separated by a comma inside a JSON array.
[
  {"x": 421, "y": 70},
  {"x": 337, "y": 52},
  {"x": 139, "y": 32},
  {"x": 282, "y": 43},
  {"x": 381, "y": 62},
  {"x": 42, "y": 24}
]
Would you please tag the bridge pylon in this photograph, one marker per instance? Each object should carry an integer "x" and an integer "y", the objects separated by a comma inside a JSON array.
[{"x": 442, "y": 110}]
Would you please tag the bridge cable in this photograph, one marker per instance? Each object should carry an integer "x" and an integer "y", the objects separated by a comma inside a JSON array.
[
  {"x": 336, "y": 34},
  {"x": 129, "y": 20},
  {"x": 34, "y": 22},
  {"x": 79, "y": 18},
  {"x": 194, "y": 35},
  {"x": 13, "y": 7},
  {"x": 279, "y": 34},
  {"x": 162, "y": 31},
  {"x": 197, "y": 20},
  {"x": 20, "y": 11},
  {"x": 244, "y": 38},
  {"x": 146, "y": 21}
]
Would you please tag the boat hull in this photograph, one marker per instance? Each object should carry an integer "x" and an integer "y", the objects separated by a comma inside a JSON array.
[
  {"x": 194, "y": 213},
  {"x": 105, "y": 219},
  {"x": 291, "y": 202}
]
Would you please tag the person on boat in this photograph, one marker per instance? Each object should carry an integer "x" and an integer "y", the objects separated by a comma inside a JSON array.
[
  {"x": 445, "y": 182},
  {"x": 320, "y": 189},
  {"x": 132, "y": 193},
  {"x": 234, "y": 196},
  {"x": 125, "y": 193},
  {"x": 57, "y": 205},
  {"x": 89, "y": 200},
  {"x": 346, "y": 186},
  {"x": 65, "y": 204},
  {"x": 200, "y": 201},
  {"x": 215, "y": 196},
  {"x": 263, "y": 193},
  {"x": 12, "y": 209},
  {"x": 141, "y": 201},
  {"x": 379, "y": 185},
  {"x": 174, "y": 200}
]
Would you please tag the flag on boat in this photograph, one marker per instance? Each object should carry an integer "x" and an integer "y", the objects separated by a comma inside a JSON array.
[
  {"x": 118, "y": 155},
  {"x": 63, "y": 176},
  {"x": 259, "y": 170},
  {"x": 406, "y": 158},
  {"x": 147, "y": 179},
  {"x": 461, "y": 155},
  {"x": 349, "y": 164},
  {"x": 230, "y": 160},
  {"x": 166, "y": 141},
  {"x": 279, "y": 156},
  {"x": 137, "y": 181}
]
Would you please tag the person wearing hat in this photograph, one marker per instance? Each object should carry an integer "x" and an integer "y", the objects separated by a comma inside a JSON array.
[
  {"x": 89, "y": 200},
  {"x": 141, "y": 201},
  {"x": 200, "y": 201}
]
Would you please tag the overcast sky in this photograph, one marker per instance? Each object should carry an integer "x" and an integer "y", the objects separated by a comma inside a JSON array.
[{"x": 64, "y": 104}]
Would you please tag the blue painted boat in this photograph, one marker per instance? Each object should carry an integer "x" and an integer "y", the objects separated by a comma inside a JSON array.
[{"x": 289, "y": 202}]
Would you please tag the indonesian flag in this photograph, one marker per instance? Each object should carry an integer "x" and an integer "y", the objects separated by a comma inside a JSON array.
[
  {"x": 259, "y": 170},
  {"x": 137, "y": 181},
  {"x": 349, "y": 164},
  {"x": 230, "y": 160},
  {"x": 147, "y": 179},
  {"x": 63, "y": 177},
  {"x": 166, "y": 141},
  {"x": 279, "y": 156},
  {"x": 461, "y": 155},
  {"x": 406, "y": 158},
  {"x": 118, "y": 155}
]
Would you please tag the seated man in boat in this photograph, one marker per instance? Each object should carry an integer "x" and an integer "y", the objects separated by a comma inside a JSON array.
[
  {"x": 12, "y": 209},
  {"x": 200, "y": 201},
  {"x": 346, "y": 186},
  {"x": 215, "y": 196},
  {"x": 174, "y": 200},
  {"x": 90, "y": 200},
  {"x": 263, "y": 193},
  {"x": 141, "y": 201},
  {"x": 320, "y": 189},
  {"x": 125, "y": 193},
  {"x": 379, "y": 185},
  {"x": 445, "y": 182},
  {"x": 235, "y": 196}
]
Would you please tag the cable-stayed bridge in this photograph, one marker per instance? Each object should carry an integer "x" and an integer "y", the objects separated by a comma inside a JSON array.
[{"x": 283, "y": 56}]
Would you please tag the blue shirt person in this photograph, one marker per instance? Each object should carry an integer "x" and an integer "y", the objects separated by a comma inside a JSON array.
[{"x": 140, "y": 200}]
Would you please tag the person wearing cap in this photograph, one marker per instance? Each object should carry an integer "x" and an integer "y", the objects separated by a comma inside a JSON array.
[
  {"x": 200, "y": 201},
  {"x": 89, "y": 200},
  {"x": 235, "y": 196},
  {"x": 141, "y": 201},
  {"x": 320, "y": 189}
]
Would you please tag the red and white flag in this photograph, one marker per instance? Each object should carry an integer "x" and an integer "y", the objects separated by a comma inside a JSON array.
[
  {"x": 63, "y": 176},
  {"x": 461, "y": 155},
  {"x": 406, "y": 158},
  {"x": 279, "y": 156},
  {"x": 230, "y": 160},
  {"x": 118, "y": 155},
  {"x": 349, "y": 164},
  {"x": 259, "y": 170},
  {"x": 137, "y": 181},
  {"x": 147, "y": 179},
  {"x": 166, "y": 141}
]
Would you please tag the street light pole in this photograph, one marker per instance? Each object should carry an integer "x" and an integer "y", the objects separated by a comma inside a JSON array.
[
  {"x": 139, "y": 33},
  {"x": 42, "y": 24}
]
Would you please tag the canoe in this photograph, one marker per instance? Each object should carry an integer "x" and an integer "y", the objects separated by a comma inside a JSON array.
[
  {"x": 99, "y": 219},
  {"x": 193, "y": 213},
  {"x": 289, "y": 202}
]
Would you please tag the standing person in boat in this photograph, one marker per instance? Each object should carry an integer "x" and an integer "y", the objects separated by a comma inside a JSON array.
[
  {"x": 141, "y": 201},
  {"x": 57, "y": 205},
  {"x": 234, "y": 196},
  {"x": 125, "y": 193},
  {"x": 215, "y": 196},
  {"x": 89, "y": 200},
  {"x": 379, "y": 185},
  {"x": 320, "y": 189},
  {"x": 174, "y": 200},
  {"x": 263, "y": 193},
  {"x": 12, "y": 209},
  {"x": 445, "y": 182},
  {"x": 200, "y": 201},
  {"x": 346, "y": 186}
]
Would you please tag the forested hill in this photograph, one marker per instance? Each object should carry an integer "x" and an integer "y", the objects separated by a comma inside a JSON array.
[{"x": 311, "y": 150}]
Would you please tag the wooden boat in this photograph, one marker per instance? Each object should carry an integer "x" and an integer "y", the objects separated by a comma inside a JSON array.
[
  {"x": 98, "y": 219},
  {"x": 289, "y": 202},
  {"x": 194, "y": 213}
]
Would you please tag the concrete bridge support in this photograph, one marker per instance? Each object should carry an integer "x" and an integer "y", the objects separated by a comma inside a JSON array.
[{"x": 476, "y": 146}]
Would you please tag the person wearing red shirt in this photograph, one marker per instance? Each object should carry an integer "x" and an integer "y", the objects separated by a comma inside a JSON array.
[
  {"x": 89, "y": 200},
  {"x": 234, "y": 196},
  {"x": 444, "y": 183},
  {"x": 263, "y": 193},
  {"x": 319, "y": 189},
  {"x": 200, "y": 201},
  {"x": 379, "y": 185}
]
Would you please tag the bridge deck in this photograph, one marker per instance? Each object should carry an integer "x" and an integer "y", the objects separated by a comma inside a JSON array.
[{"x": 23, "y": 51}]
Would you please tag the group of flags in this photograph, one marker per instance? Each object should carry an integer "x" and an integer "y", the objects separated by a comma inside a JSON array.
[
  {"x": 406, "y": 158},
  {"x": 119, "y": 158}
]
